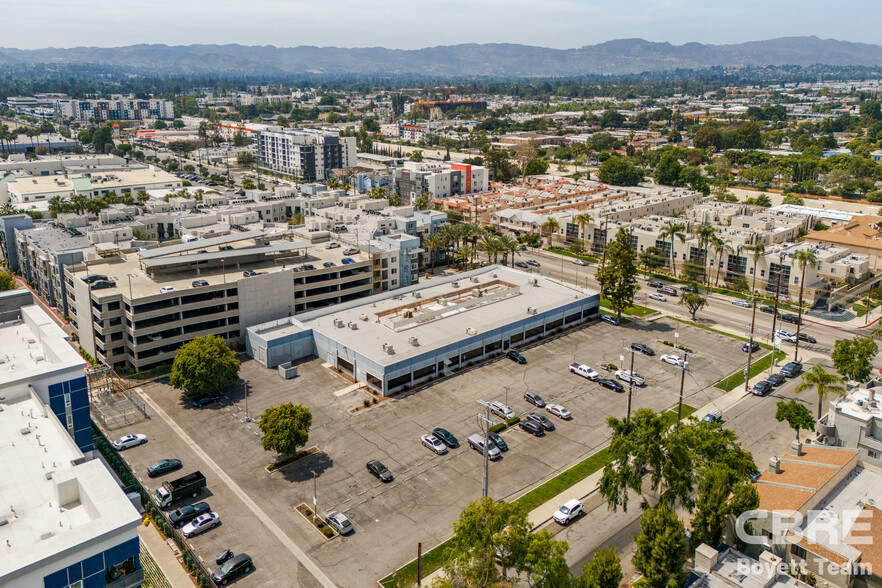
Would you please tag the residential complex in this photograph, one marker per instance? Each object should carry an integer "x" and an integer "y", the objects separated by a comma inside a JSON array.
[
  {"x": 439, "y": 180},
  {"x": 307, "y": 154},
  {"x": 118, "y": 108},
  {"x": 855, "y": 422}
]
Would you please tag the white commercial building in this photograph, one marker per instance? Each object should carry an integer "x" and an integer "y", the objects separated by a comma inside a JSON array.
[{"x": 117, "y": 108}]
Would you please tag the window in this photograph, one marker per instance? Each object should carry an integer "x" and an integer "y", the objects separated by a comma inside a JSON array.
[
  {"x": 873, "y": 454},
  {"x": 66, "y": 400},
  {"x": 798, "y": 551},
  {"x": 70, "y": 421}
]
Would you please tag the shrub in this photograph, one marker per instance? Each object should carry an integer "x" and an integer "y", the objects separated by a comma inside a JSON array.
[
  {"x": 366, "y": 402},
  {"x": 329, "y": 532},
  {"x": 307, "y": 512}
]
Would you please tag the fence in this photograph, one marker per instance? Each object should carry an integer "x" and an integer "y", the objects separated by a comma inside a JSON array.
[
  {"x": 191, "y": 562},
  {"x": 117, "y": 409}
]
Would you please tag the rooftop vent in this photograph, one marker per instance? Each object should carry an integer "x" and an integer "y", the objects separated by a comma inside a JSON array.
[
  {"x": 455, "y": 284},
  {"x": 46, "y": 536},
  {"x": 774, "y": 465},
  {"x": 471, "y": 331},
  {"x": 25, "y": 431},
  {"x": 338, "y": 323},
  {"x": 353, "y": 326},
  {"x": 363, "y": 317},
  {"x": 414, "y": 341},
  {"x": 475, "y": 279},
  {"x": 417, "y": 295}
]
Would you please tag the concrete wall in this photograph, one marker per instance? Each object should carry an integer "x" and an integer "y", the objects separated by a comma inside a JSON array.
[{"x": 264, "y": 298}]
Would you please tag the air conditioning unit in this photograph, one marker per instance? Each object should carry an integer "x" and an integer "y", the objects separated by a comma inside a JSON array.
[
  {"x": 363, "y": 317},
  {"x": 414, "y": 341},
  {"x": 474, "y": 280},
  {"x": 353, "y": 326},
  {"x": 390, "y": 350},
  {"x": 417, "y": 295},
  {"x": 338, "y": 323},
  {"x": 455, "y": 284}
]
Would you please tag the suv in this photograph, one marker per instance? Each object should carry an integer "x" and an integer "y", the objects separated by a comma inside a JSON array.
[
  {"x": 668, "y": 290},
  {"x": 532, "y": 427},
  {"x": 655, "y": 284},
  {"x": 540, "y": 420},
  {"x": 232, "y": 569},
  {"x": 476, "y": 442},
  {"x": 199, "y": 283},
  {"x": 568, "y": 512},
  {"x": 534, "y": 399},
  {"x": 692, "y": 289},
  {"x": 185, "y": 514},
  {"x": 501, "y": 410},
  {"x": 791, "y": 370},
  {"x": 644, "y": 349}
]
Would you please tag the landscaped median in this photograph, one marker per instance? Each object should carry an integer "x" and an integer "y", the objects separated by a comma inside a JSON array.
[
  {"x": 633, "y": 310},
  {"x": 436, "y": 558},
  {"x": 757, "y": 367},
  {"x": 567, "y": 253}
]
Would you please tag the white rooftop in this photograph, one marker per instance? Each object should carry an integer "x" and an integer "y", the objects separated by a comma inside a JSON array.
[{"x": 857, "y": 405}]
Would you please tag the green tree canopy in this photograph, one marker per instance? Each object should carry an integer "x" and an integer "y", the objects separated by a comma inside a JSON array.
[
  {"x": 285, "y": 428},
  {"x": 853, "y": 358},
  {"x": 618, "y": 171},
  {"x": 693, "y": 302},
  {"x": 618, "y": 276},
  {"x": 721, "y": 496},
  {"x": 603, "y": 571},
  {"x": 662, "y": 546},
  {"x": 796, "y": 415},
  {"x": 203, "y": 366},
  {"x": 668, "y": 170}
]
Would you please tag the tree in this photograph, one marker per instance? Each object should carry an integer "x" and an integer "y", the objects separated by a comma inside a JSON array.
[
  {"x": 722, "y": 496},
  {"x": 550, "y": 227},
  {"x": 693, "y": 302},
  {"x": 577, "y": 247},
  {"x": 178, "y": 123},
  {"x": 796, "y": 415},
  {"x": 618, "y": 171},
  {"x": 285, "y": 428},
  {"x": 416, "y": 156},
  {"x": 692, "y": 271},
  {"x": 159, "y": 124},
  {"x": 707, "y": 136},
  {"x": 853, "y": 357},
  {"x": 544, "y": 561},
  {"x": 203, "y": 366},
  {"x": 524, "y": 154},
  {"x": 7, "y": 281},
  {"x": 668, "y": 170},
  {"x": 661, "y": 546},
  {"x": 652, "y": 258},
  {"x": 583, "y": 219},
  {"x": 603, "y": 571},
  {"x": 671, "y": 230},
  {"x": 803, "y": 258},
  {"x": 705, "y": 233},
  {"x": 245, "y": 158},
  {"x": 758, "y": 251},
  {"x": 618, "y": 276}
]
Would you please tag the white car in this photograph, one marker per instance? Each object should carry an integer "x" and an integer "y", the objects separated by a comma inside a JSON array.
[
  {"x": 627, "y": 376},
  {"x": 568, "y": 512},
  {"x": 741, "y": 303},
  {"x": 674, "y": 360},
  {"x": 785, "y": 336},
  {"x": 203, "y": 522},
  {"x": 332, "y": 245},
  {"x": 579, "y": 262},
  {"x": 659, "y": 297},
  {"x": 340, "y": 522},
  {"x": 129, "y": 441},
  {"x": 583, "y": 370},
  {"x": 502, "y": 411},
  {"x": 559, "y": 411},
  {"x": 434, "y": 443}
]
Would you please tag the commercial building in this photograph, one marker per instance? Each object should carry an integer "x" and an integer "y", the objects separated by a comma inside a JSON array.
[
  {"x": 440, "y": 180},
  {"x": 861, "y": 234},
  {"x": 118, "y": 108},
  {"x": 51, "y": 141},
  {"x": 65, "y": 520},
  {"x": 308, "y": 154},
  {"x": 398, "y": 340}
]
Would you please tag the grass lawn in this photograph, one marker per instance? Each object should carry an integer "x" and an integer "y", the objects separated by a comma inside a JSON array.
[
  {"x": 861, "y": 309},
  {"x": 583, "y": 257},
  {"x": 737, "y": 379},
  {"x": 635, "y": 310}
]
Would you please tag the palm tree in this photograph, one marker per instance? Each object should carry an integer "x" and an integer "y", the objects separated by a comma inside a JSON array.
[
  {"x": 720, "y": 246},
  {"x": 758, "y": 250},
  {"x": 465, "y": 253},
  {"x": 432, "y": 243},
  {"x": 549, "y": 227},
  {"x": 78, "y": 202},
  {"x": 803, "y": 258},
  {"x": 143, "y": 196},
  {"x": 56, "y": 205},
  {"x": 823, "y": 382},
  {"x": 583, "y": 219},
  {"x": 671, "y": 230},
  {"x": 705, "y": 233},
  {"x": 95, "y": 205},
  {"x": 510, "y": 246}
]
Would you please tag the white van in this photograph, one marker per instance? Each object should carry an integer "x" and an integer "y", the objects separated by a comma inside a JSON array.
[{"x": 166, "y": 289}]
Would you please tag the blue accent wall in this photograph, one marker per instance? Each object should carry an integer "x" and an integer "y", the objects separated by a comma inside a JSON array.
[
  {"x": 78, "y": 389},
  {"x": 91, "y": 570}
]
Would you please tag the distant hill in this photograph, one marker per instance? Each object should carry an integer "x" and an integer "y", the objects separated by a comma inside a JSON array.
[{"x": 625, "y": 56}]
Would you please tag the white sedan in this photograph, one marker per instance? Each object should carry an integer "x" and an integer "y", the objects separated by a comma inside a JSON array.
[
  {"x": 659, "y": 297},
  {"x": 434, "y": 443},
  {"x": 203, "y": 522},
  {"x": 741, "y": 303},
  {"x": 559, "y": 411},
  {"x": 785, "y": 336},
  {"x": 129, "y": 441},
  {"x": 579, "y": 262},
  {"x": 674, "y": 360}
]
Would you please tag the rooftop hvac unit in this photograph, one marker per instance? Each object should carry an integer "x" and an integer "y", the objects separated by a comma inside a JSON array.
[
  {"x": 475, "y": 279},
  {"x": 414, "y": 341},
  {"x": 443, "y": 301},
  {"x": 477, "y": 293},
  {"x": 417, "y": 295},
  {"x": 455, "y": 284},
  {"x": 390, "y": 350},
  {"x": 363, "y": 317},
  {"x": 338, "y": 323},
  {"x": 494, "y": 275},
  {"x": 471, "y": 331},
  {"x": 353, "y": 326},
  {"x": 534, "y": 310},
  {"x": 534, "y": 282}
]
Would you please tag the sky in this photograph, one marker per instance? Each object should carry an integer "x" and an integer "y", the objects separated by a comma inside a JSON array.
[{"x": 412, "y": 24}]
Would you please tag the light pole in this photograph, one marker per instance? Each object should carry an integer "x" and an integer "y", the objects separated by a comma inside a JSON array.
[
  {"x": 631, "y": 387},
  {"x": 750, "y": 349},
  {"x": 485, "y": 422},
  {"x": 777, "y": 292}
]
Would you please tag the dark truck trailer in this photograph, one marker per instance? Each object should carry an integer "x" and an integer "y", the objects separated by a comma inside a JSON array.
[{"x": 174, "y": 490}]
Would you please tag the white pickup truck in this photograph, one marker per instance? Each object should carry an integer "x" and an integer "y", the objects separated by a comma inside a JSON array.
[{"x": 584, "y": 371}]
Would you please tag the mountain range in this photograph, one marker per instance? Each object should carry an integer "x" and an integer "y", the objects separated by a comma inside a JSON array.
[{"x": 625, "y": 56}]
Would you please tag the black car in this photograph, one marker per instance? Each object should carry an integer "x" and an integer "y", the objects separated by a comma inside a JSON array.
[
  {"x": 790, "y": 318},
  {"x": 521, "y": 265},
  {"x": 498, "y": 441},
  {"x": 644, "y": 349},
  {"x": 611, "y": 384},
  {"x": 163, "y": 466},
  {"x": 446, "y": 437},
  {"x": 654, "y": 284},
  {"x": 762, "y": 388},
  {"x": 750, "y": 347},
  {"x": 776, "y": 380},
  {"x": 807, "y": 338},
  {"x": 516, "y": 357},
  {"x": 792, "y": 369},
  {"x": 185, "y": 514},
  {"x": 538, "y": 418},
  {"x": 232, "y": 569},
  {"x": 692, "y": 289},
  {"x": 381, "y": 472},
  {"x": 767, "y": 309},
  {"x": 205, "y": 400},
  {"x": 532, "y": 427},
  {"x": 534, "y": 399}
]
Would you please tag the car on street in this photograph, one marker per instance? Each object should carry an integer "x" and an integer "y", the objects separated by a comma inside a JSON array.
[
  {"x": 498, "y": 441},
  {"x": 521, "y": 265},
  {"x": 232, "y": 569},
  {"x": 785, "y": 336},
  {"x": 446, "y": 437},
  {"x": 339, "y": 522},
  {"x": 741, "y": 303},
  {"x": 350, "y": 251},
  {"x": 692, "y": 289},
  {"x": 668, "y": 290},
  {"x": 644, "y": 349},
  {"x": 163, "y": 466},
  {"x": 559, "y": 411},
  {"x": 380, "y": 471},
  {"x": 434, "y": 443},
  {"x": 567, "y": 513},
  {"x": 200, "y": 524},
  {"x": 792, "y": 369},
  {"x": 516, "y": 357},
  {"x": 581, "y": 262},
  {"x": 674, "y": 360},
  {"x": 583, "y": 370},
  {"x": 205, "y": 400},
  {"x": 185, "y": 514},
  {"x": 659, "y": 297},
  {"x": 533, "y": 263},
  {"x": 541, "y": 419},
  {"x": 714, "y": 416},
  {"x": 534, "y": 399},
  {"x": 767, "y": 309},
  {"x": 776, "y": 380},
  {"x": 761, "y": 388},
  {"x": 655, "y": 284},
  {"x": 806, "y": 338},
  {"x": 502, "y": 411},
  {"x": 754, "y": 346},
  {"x": 610, "y": 319},
  {"x": 627, "y": 376},
  {"x": 129, "y": 441},
  {"x": 789, "y": 318},
  {"x": 611, "y": 384},
  {"x": 532, "y": 427}
]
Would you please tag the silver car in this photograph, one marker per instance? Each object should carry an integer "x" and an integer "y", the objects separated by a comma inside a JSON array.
[
  {"x": 200, "y": 524},
  {"x": 434, "y": 443},
  {"x": 339, "y": 522}
]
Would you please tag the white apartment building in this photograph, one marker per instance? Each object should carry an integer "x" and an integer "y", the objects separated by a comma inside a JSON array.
[
  {"x": 117, "y": 108},
  {"x": 309, "y": 154},
  {"x": 440, "y": 179}
]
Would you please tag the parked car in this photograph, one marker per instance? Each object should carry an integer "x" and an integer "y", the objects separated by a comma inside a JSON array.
[
  {"x": 559, "y": 411},
  {"x": 129, "y": 441},
  {"x": 204, "y": 401},
  {"x": 249, "y": 274},
  {"x": 690, "y": 288},
  {"x": 533, "y": 262},
  {"x": 611, "y": 384},
  {"x": 583, "y": 370},
  {"x": 610, "y": 319},
  {"x": 232, "y": 569},
  {"x": 516, "y": 357},
  {"x": 200, "y": 524},
  {"x": 776, "y": 379},
  {"x": 741, "y": 303},
  {"x": 655, "y": 284},
  {"x": 350, "y": 251},
  {"x": 163, "y": 466},
  {"x": 339, "y": 522},
  {"x": 185, "y": 514},
  {"x": 785, "y": 336},
  {"x": 308, "y": 266},
  {"x": 434, "y": 443},
  {"x": 498, "y": 441},
  {"x": 674, "y": 360},
  {"x": 501, "y": 410},
  {"x": 806, "y": 338},
  {"x": 329, "y": 264},
  {"x": 714, "y": 416},
  {"x": 581, "y": 262},
  {"x": 761, "y": 388},
  {"x": 332, "y": 245},
  {"x": 754, "y": 346},
  {"x": 199, "y": 283},
  {"x": 224, "y": 556},
  {"x": 567, "y": 513},
  {"x": 670, "y": 291},
  {"x": 380, "y": 471},
  {"x": 541, "y": 419},
  {"x": 767, "y": 309},
  {"x": 446, "y": 437},
  {"x": 534, "y": 399},
  {"x": 347, "y": 261},
  {"x": 532, "y": 427},
  {"x": 659, "y": 297},
  {"x": 790, "y": 318},
  {"x": 627, "y": 376},
  {"x": 521, "y": 265},
  {"x": 791, "y": 370},
  {"x": 476, "y": 442},
  {"x": 644, "y": 349}
]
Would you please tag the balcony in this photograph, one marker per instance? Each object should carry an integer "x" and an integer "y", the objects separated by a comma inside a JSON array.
[{"x": 871, "y": 443}]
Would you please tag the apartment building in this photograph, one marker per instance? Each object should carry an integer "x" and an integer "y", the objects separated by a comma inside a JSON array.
[
  {"x": 855, "y": 422},
  {"x": 308, "y": 154},
  {"x": 861, "y": 234},
  {"x": 118, "y": 108},
  {"x": 440, "y": 180},
  {"x": 135, "y": 309},
  {"x": 414, "y": 133}
]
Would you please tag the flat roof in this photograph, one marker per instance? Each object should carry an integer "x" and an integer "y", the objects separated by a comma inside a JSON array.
[
  {"x": 231, "y": 255},
  {"x": 200, "y": 244},
  {"x": 440, "y": 311},
  {"x": 32, "y": 346}
]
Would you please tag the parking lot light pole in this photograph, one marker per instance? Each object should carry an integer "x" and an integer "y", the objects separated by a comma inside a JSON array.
[{"x": 485, "y": 422}]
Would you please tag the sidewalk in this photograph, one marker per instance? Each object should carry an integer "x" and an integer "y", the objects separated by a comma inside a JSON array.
[{"x": 167, "y": 561}]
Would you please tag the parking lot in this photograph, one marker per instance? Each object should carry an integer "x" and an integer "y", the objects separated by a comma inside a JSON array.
[{"x": 429, "y": 490}]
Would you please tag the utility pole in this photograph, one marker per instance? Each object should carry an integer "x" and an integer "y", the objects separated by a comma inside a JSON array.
[
  {"x": 777, "y": 293},
  {"x": 485, "y": 422},
  {"x": 750, "y": 348},
  {"x": 419, "y": 563},
  {"x": 682, "y": 370},
  {"x": 314, "y": 497},
  {"x": 631, "y": 387}
]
